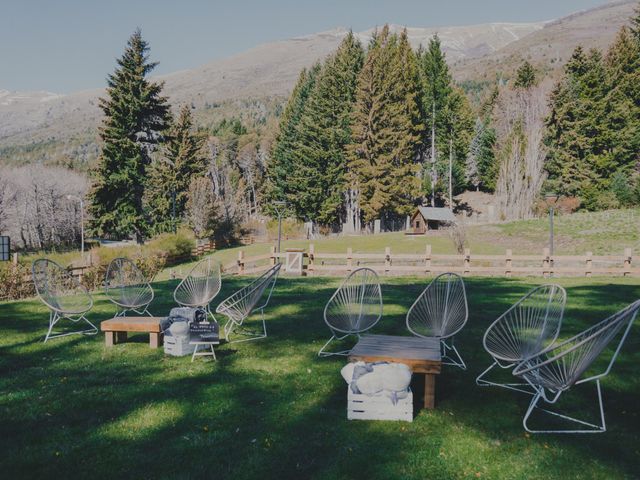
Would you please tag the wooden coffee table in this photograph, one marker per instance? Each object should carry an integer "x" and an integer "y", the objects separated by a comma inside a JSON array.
[
  {"x": 422, "y": 355},
  {"x": 115, "y": 330}
]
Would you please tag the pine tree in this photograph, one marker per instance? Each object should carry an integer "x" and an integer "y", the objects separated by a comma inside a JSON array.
[
  {"x": 171, "y": 173},
  {"x": 448, "y": 125},
  {"x": 281, "y": 167},
  {"x": 136, "y": 116},
  {"x": 525, "y": 76},
  {"x": 385, "y": 129},
  {"x": 318, "y": 181}
]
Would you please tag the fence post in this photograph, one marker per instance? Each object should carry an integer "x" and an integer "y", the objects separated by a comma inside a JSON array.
[
  {"x": 545, "y": 262},
  {"x": 349, "y": 259},
  {"x": 240, "y": 262},
  {"x": 312, "y": 252},
  {"x": 467, "y": 261},
  {"x": 508, "y": 262},
  {"x": 427, "y": 259},
  {"x": 387, "y": 259},
  {"x": 273, "y": 255},
  {"x": 588, "y": 264},
  {"x": 627, "y": 262},
  {"x": 15, "y": 258}
]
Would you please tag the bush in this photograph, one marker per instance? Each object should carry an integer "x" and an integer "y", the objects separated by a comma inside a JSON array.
[
  {"x": 15, "y": 282},
  {"x": 173, "y": 244}
]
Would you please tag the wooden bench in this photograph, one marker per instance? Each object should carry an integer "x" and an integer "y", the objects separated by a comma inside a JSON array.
[
  {"x": 115, "y": 329},
  {"x": 422, "y": 355}
]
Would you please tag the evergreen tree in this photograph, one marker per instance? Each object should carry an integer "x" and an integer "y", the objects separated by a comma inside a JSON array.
[
  {"x": 525, "y": 76},
  {"x": 448, "y": 124},
  {"x": 317, "y": 181},
  {"x": 385, "y": 129},
  {"x": 136, "y": 116},
  {"x": 171, "y": 173},
  {"x": 281, "y": 166}
]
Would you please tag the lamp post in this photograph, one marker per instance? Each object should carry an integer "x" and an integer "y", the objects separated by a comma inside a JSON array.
[
  {"x": 79, "y": 199},
  {"x": 551, "y": 199},
  {"x": 279, "y": 207}
]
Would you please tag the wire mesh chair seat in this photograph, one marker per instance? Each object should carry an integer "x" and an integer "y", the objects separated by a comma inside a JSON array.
[
  {"x": 441, "y": 311},
  {"x": 559, "y": 367},
  {"x": 201, "y": 285},
  {"x": 525, "y": 329},
  {"x": 63, "y": 295},
  {"x": 239, "y": 306},
  {"x": 354, "y": 308},
  {"x": 127, "y": 287}
]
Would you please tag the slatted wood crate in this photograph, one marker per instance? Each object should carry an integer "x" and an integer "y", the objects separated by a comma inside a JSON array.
[{"x": 378, "y": 407}]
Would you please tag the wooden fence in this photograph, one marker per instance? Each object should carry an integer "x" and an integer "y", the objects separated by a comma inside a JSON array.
[{"x": 428, "y": 263}]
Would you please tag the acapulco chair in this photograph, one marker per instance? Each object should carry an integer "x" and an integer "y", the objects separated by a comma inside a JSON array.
[
  {"x": 200, "y": 286},
  {"x": 239, "y": 306},
  {"x": 559, "y": 367},
  {"x": 63, "y": 295},
  {"x": 525, "y": 329},
  {"x": 354, "y": 308},
  {"x": 440, "y": 312},
  {"x": 126, "y": 286}
]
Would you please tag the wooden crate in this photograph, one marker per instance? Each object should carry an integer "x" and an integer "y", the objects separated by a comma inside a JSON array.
[
  {"x": 177, "y": 346},
  {"x": 378, "y": 407}
]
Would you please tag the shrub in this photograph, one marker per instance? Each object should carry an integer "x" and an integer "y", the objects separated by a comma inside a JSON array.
[
  {"x": 15, "y": 282},
  {"x": 173, "y": 244}
]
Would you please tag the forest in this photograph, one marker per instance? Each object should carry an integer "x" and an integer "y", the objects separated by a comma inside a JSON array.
[{"x": 368, "y": 133}]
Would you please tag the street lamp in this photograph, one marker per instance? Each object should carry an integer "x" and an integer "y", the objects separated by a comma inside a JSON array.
[
  {"x": 279, "y": 207},
  {"x": 79, "y": 199},
  {"x": 551, "y": 200}
]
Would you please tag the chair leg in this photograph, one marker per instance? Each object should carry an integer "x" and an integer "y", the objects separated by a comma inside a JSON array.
[
  {"x": 482, "y": 382},
  {"x": 322, "y": 353},
  {"x": 593, "y": 428},
  {"x": 456, "y": 360},
  {"x": 251, "y": 334},
  {"x": 55, "y": 317}
]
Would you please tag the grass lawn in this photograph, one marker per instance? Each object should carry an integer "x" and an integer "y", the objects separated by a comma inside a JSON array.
[{"x": 271, "y": 409}]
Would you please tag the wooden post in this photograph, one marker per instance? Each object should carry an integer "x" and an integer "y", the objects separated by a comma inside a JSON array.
[
  {"x": 427, "y": 259},
  {"x": 627, "y": 262},
  {"x": 429, "y": 391},
  {"x": 588, "y": 265},
  {"x": 240, "y": 262},
  {"x": 508, "y": 262},
  {"x": 311, "y": 257},
  {"x": 15, "y": 258},
  {"x": 466, "y": 261},
  {"x": 273, "y": 258},
  {"x": 387, "y": 259},
  {"x": 349, "y": 259},
  {"x": 545, "y": 262}
]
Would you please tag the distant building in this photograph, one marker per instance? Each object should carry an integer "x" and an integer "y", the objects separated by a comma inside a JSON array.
[{"x": 430, "y": 218}]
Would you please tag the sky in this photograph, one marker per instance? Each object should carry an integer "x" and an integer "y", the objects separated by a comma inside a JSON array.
[{"x": 64, "y": 46}]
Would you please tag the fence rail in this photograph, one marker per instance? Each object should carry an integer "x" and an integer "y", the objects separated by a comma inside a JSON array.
[{"x": 388, "y": 263}]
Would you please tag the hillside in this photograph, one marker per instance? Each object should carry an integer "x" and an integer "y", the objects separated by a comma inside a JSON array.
[{"x": 551, "y": 46}]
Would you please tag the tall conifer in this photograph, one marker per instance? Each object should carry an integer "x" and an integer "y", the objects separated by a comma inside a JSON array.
[{"x": 136, "y": 116}]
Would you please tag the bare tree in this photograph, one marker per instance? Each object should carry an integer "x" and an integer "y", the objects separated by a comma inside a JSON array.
[
  {"x": 202, "y": 211},
  {"x": 520, "y": 118}
]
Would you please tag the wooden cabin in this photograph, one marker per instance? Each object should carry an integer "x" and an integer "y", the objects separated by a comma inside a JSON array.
[{"x": 430, "y": 218}]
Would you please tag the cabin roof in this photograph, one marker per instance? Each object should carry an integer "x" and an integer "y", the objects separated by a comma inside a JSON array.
[{"x": 440, "y": 214}]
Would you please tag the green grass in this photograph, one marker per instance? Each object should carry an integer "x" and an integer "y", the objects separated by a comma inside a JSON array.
[{"x": 272, "y": 409}]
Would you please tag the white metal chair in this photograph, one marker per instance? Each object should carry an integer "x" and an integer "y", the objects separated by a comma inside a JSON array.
[
  {"x": 200, "y": 286},
  {"x": 354, "y": 308},
  {"x": 126, "y": 286},
  {"x": 63, "y": 295},
  {"x": 525, "y": 329},
  {"x": 241, "y": 304},
  {"x": 556, "y": 369},
  {"x": 441, "y": 311}
]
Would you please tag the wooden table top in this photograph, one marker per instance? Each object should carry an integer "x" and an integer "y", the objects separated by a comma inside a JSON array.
[
  {"x": 421, "y": 354},
  {"x": 132, "y": 324}
]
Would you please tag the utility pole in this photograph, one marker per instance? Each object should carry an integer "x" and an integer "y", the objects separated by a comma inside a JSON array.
[
  {"x": 434, "y": 172},
  {"x": 279, "y": 206},
  {"x": 79, "y": 199}
]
